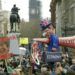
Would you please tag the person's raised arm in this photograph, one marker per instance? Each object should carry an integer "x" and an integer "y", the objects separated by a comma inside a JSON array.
[{"x": 43, "y": 40}]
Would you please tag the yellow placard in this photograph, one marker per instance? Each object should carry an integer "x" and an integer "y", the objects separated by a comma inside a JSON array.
[{"x": 23, "y": 41}]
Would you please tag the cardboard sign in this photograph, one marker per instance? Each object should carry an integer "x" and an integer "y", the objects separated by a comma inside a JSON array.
[
  {"x": 14, "y": 45},
  {"x": 8, "y": 46},
  {"x": 53, "y": 56},
  {"x": 24, "y": 41}
]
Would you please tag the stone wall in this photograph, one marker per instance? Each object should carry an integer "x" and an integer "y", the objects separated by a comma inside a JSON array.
[{"x": 65, "y": 17}]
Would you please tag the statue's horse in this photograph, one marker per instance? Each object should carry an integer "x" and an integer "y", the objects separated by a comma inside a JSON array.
[{"x": 14, "y": 21}]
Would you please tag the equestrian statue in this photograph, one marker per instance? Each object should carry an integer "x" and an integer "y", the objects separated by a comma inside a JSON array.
[{"x": 14, "y": 18}]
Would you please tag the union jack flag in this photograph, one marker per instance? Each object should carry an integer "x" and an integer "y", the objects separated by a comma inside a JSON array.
[{"x": 44, "y": 22}]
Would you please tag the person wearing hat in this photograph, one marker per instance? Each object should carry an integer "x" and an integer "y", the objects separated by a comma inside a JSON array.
[
  {"x": 15, "y": 10},
  {"x": 52, "y": 40},
  {"x": 48, "y": 31}
]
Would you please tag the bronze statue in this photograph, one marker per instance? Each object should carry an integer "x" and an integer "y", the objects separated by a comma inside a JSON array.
[{"x": 14, "y": 17}]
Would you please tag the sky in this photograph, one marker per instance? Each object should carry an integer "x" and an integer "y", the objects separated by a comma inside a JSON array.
[{"x": 24, "y": 7}]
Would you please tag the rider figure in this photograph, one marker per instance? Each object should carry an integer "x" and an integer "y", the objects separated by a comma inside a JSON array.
[{"x": 15, "y": 10}]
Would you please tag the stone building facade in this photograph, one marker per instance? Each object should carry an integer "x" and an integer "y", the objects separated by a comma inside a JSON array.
[
  {"x": 64, "y": 17},
  {"x": 4, "y": 20}
]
